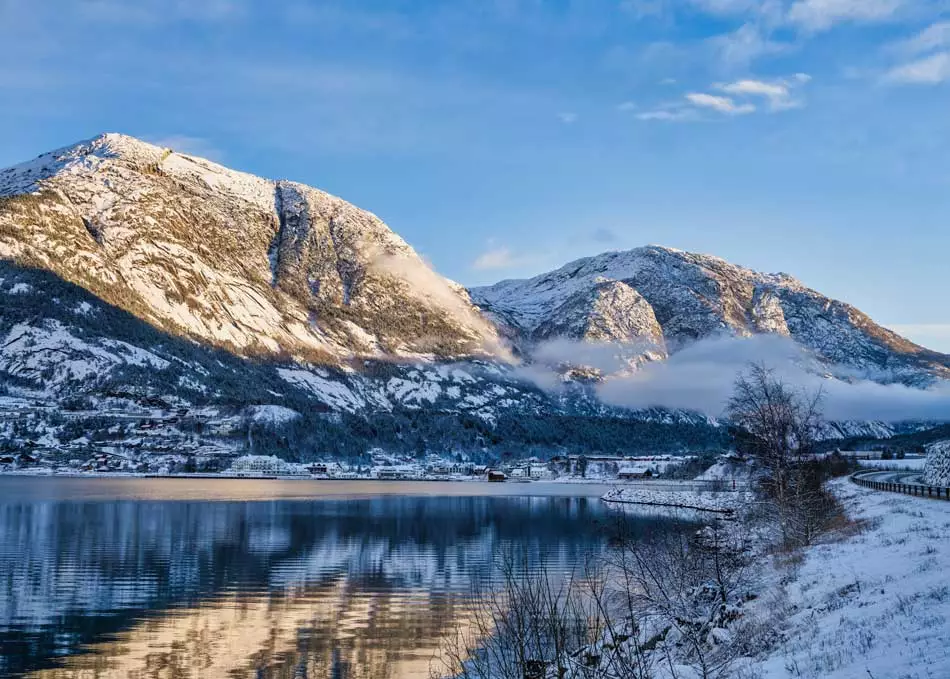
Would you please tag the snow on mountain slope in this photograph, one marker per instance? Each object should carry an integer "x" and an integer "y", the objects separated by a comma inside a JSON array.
[
  {"x": 256, "y": 266},
  {"x": 692, "y": 297},
  {"x": 131, "y": 275}
]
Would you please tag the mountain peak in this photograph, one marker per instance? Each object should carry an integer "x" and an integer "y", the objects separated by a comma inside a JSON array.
[
  {"x": 79, "y": 157},
  {"x": 258, "y": 266},
  {"x": 694, "y": 296}
]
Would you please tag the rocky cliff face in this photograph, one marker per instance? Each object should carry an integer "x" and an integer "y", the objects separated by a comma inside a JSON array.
[
  {"x": 259, "y": 267},
  {"x": 673, "y": 298}
]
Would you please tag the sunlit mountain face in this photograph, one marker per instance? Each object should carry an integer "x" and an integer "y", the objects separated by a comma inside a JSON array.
[{"x": 343, "y": 587}]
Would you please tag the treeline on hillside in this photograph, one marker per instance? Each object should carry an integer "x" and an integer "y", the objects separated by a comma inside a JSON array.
[
  {"x": 235, "y": 380},
  {"x": 912, "y": 442},
  {"x": 417, "y": 432}
]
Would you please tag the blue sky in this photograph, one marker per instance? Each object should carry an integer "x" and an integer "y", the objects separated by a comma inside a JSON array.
[{"x": 503, "y": 138}]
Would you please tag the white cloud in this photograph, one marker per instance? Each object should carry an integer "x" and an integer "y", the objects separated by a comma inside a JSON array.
[
  {"x": 567, "y": 117},
  {"x": 627, "y": 106},
  {"x": 927, "y": 71},
  {"x": 738, "y": 49},
  {"x": 726, "y": 7},
  {"x": 499, "y": 258},
  {"x": 757, "y": 87},
  {"x": 668, "y": 115},
  {"x": 778, "y": 93},
  {"x": 721, "y": 104},
  {"x": 701, "y": 376},
  {"x": 821, "y": 15},
  {"x": 934, "y": 37}
]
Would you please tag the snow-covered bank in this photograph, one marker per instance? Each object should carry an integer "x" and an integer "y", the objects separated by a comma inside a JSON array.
[
  {"x": 724, "y": 502},
  {"x": 909, "y": 464},
  {"x": 875, "y": 604}
]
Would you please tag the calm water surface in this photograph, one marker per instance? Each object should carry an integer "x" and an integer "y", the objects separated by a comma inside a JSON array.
[{"x": 172, "y": 578}]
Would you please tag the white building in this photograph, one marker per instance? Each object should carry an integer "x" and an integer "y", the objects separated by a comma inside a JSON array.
[{"x": 265, "y": 465}]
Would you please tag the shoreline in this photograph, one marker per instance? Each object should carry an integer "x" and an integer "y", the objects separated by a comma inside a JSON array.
[
  {"x": 688, "y": 486},
  {"x": 726, "y": 502}
]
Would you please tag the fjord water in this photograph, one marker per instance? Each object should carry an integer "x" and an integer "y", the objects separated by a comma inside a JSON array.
[{"x": 238, "y": 578}]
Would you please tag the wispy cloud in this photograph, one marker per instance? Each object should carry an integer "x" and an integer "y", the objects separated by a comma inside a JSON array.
[
  {"x": 777, "y": 93},
  {"x": 821, "y": 15},
  {"x": 500, "y": 257},
  {"x": 728, "y": 7},
  {"x": 926, "y": 57},
  {"x": 721, "y": 104},
  {"x": 567, "y": 117},
  {"x": 627, "y": 106},
  {"x": 701, "y": 376},
  {"x": 672, "y": 115},
  {"x": 934, "y": 37},
  {"x": 926, "y": 71},
  {"x": 738, "y": 49}
]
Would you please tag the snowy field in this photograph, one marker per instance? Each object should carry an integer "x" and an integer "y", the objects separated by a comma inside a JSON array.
[
  {"x": 909, "y": 464},
  {"x": 875, "y": 605}
]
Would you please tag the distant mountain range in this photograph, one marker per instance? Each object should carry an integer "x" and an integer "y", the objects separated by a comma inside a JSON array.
[{"x": 134, "y": 274}]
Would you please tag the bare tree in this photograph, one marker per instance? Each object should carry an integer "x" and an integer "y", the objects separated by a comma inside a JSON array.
[{"x": 779, "y": 426}]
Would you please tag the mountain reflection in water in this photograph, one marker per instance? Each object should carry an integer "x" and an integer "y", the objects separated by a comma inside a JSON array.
[{"x": 341, "y": 587}]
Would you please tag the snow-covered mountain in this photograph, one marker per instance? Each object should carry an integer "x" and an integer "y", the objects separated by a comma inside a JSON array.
[
  {"x": 256, "y": 266},
  {"x": 672, "y": 298},
  {"x": 137, "y": 284}
]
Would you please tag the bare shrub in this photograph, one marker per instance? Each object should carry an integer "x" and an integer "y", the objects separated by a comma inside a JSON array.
[
  {"x": 526, "y": 625},
  {"x": 671, "y": 603}
]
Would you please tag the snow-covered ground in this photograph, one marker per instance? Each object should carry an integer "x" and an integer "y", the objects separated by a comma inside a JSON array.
[
  {"x": 686, "y": 498},
  {"x": 726, "y": 470},
  {"x": 875, "y": 605},
  {"x": 908, "y": 464}
]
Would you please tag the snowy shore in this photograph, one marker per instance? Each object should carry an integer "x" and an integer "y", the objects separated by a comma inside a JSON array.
[
  {"x": 725, "y": 502},
  {"x": 869, "y": 600},
  {"x": 874, "y": 602}
]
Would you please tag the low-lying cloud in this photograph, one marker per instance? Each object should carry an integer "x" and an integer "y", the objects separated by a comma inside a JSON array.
[
  {"x": 607, "y": 357},
  {"x": 440, "y": 292},
  {"x": 700, "y": 378}
]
